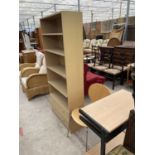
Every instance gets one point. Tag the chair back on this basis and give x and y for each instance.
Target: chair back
(93, 42)
(118, 59)
(114, 42)
(129, 56)
(86, 43)
(97, 91)
(106, 55)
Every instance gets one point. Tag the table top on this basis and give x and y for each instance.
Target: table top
(111, 111)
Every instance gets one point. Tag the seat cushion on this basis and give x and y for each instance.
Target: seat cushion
(90, 64)
(112, 71)
(120, 68)
(100, 67)
(23, 81)
(120, 150)
(94, 77)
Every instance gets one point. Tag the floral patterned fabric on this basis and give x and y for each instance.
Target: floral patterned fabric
(120, 150)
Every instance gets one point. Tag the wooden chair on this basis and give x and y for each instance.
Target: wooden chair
(117, 68)
(106, 56)
(96, 91)
(128, 147)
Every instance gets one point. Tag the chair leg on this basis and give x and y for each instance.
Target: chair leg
(122, 78)
(68, 125)
(113, 83)
(68, 132)
(86, 139)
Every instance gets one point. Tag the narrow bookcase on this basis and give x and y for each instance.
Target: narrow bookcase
(62, 42)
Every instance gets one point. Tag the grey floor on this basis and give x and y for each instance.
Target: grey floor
(44, 134)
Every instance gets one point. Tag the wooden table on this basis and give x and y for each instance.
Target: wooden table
(108, 117)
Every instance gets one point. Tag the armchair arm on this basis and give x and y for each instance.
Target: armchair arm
(28, 71)
(36, 80)
(24, 65)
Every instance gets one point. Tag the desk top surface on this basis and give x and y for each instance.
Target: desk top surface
(111, 111)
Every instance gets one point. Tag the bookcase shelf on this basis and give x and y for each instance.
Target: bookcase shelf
(55, 51)
(52, 34)
(60, 86)
(62, 41)
(58, 69)
(53, 42)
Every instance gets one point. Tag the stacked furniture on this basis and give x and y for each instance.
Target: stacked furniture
(91, 48)
(114, 62)
(115, 33)
(62, 42)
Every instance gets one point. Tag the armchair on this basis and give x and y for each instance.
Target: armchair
(90, 78)
(37, 64)
(34, 81)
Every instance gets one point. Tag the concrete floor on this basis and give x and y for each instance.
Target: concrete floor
(44, 134)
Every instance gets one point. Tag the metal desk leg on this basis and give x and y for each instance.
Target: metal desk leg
(102, 151)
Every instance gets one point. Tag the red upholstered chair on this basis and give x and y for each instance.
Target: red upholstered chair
(90, 78)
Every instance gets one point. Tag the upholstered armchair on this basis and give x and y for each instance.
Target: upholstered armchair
(90, 43)
(34, 81)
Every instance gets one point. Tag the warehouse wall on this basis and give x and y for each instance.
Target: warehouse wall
(103, 27)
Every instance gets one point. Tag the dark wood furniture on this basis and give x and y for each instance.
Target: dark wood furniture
(128, 49)
(106, 55)
(117, 68)
(108, 116)
(117, 60)
(131, 33)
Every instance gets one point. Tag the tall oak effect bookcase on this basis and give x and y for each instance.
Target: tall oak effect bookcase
(62, 42)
